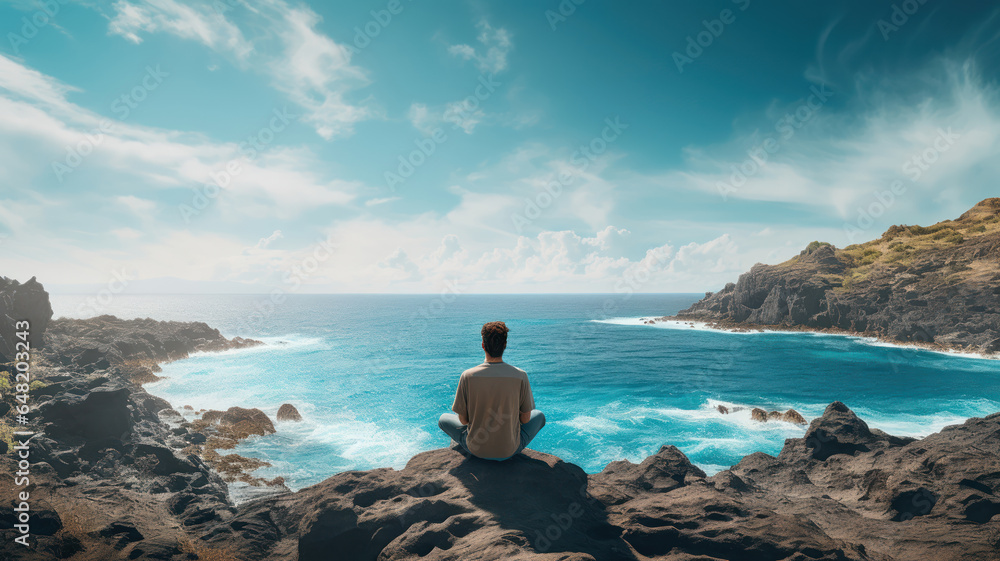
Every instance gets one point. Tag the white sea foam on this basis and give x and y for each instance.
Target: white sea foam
(593, 425)
(689, 325)
(712, 469)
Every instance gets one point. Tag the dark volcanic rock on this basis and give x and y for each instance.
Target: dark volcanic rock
(103, 341)
(931, 286)
(664, 471)
(441, 506)
(288, 412)
(99, 414)
(872, 497)
(22, 302)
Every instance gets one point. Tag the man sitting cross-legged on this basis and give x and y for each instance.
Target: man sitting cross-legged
(494, 412)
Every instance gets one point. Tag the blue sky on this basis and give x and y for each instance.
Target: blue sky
(407, 146)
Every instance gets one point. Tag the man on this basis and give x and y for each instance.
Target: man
(494, 412)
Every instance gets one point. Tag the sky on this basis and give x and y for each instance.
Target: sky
(526, 146)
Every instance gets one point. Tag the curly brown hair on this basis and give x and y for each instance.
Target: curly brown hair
(495, 338)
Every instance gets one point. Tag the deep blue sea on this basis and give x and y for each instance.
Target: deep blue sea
(372, 373)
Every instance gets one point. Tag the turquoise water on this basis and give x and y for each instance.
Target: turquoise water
(371, 374)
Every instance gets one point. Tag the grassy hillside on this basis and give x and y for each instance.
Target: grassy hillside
(901, 246)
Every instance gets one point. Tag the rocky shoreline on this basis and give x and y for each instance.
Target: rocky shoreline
(936, 287)
(747, 327)
(118, 474)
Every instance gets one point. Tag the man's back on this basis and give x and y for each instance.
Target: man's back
(491, 396)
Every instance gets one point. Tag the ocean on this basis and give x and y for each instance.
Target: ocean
(371, 374)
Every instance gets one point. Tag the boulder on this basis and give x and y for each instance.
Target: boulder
(212, 416)
(246, 422)
(793, 416)
(288, 412)
(758, 414)
(838, 431)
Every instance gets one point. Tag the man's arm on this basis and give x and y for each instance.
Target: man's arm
(461, 404)
(527, 400)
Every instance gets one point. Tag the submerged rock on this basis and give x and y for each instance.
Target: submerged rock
(793, 416)
(763, 416)
(288, 412)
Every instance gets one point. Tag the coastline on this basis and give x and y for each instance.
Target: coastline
(144, 495)
(725, 326)
(717, 327)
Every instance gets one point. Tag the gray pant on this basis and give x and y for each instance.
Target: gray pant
(458, 432)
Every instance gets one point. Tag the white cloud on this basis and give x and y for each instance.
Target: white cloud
(312, 70)
(492, 55)
(139, 206)
(40, 124)
(316, 73)
(197, 22)
(264, 242)
(127, 233)
(421, 118)
(463, 114)
(22, 83)
(836, 164)
(380, 201)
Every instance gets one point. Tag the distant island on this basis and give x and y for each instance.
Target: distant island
(935, 286)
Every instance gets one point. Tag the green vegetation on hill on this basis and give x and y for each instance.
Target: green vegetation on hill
(900, 245)
(813, 246)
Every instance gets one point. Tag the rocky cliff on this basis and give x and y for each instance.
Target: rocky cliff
(22, 302)
(937, 286)
(111, 472)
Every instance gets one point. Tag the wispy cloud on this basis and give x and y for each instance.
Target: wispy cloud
(44, 123)
(203, 23)
(307, 66)
(139, 206)
(491, 54)
(840, 159)
(381, 201)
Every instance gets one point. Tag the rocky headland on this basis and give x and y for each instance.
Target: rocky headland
(120, 474)
(936, 286)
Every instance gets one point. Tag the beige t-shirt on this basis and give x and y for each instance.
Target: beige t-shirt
(491, 395)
